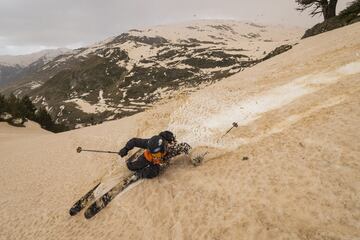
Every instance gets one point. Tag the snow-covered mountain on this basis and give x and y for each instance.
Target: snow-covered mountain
(27, 59)
(128, 73)
(13, 68)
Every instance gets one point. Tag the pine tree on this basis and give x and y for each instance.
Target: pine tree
(24, 108)
(27, 108)
(3, 104)
(44, 119)
(325, 7)
(14, 107)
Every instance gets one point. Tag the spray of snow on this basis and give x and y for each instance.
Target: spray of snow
(203, 119)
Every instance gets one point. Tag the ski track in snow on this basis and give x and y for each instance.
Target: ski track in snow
(203, 119)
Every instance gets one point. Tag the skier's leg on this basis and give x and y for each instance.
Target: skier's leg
(137, 164)
(143, 167)
(150, 171)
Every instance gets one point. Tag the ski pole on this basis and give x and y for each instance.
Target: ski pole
(79, 150)
(234, 125)
(199, 159)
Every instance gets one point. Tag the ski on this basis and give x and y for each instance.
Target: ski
(83, 201)
(105, 199)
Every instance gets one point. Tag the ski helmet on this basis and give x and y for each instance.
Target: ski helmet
(156, 144)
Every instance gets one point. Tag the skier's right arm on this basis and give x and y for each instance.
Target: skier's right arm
(134, 142)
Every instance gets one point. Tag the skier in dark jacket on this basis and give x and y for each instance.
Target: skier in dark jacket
(159, 149)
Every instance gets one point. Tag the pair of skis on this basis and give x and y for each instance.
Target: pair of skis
(101, 202)
(98, 204)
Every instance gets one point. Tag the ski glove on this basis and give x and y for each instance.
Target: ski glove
(123, 152)
(168, 136)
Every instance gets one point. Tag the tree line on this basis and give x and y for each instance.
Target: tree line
(16, 111)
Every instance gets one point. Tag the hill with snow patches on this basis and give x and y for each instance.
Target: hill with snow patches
(289, 171)
(127, 74)
(14, 68)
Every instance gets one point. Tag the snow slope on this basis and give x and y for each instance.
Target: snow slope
(299, 120)
(31, 130)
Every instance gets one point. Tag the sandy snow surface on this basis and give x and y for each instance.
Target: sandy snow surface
(31, 130)
(299, 126)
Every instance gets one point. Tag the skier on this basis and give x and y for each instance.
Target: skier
(159, 149)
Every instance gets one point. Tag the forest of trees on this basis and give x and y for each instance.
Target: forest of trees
(19, 110)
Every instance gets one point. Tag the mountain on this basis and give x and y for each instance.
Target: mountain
(299, 126)
(128, 73)
(14, 68)
(26, 60)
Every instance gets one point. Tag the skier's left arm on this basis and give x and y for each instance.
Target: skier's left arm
(132, 143)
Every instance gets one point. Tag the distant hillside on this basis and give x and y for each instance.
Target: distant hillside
(14, 68)
(130, 72)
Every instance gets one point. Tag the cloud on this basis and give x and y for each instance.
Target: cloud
(33, 24)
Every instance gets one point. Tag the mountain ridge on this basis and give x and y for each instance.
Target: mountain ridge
(14, 67)
(128, 73)
(25, 60)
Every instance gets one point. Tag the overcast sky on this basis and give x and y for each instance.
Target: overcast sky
(32, 25)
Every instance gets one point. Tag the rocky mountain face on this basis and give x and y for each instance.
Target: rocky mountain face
(130, 72)
(8, 73)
